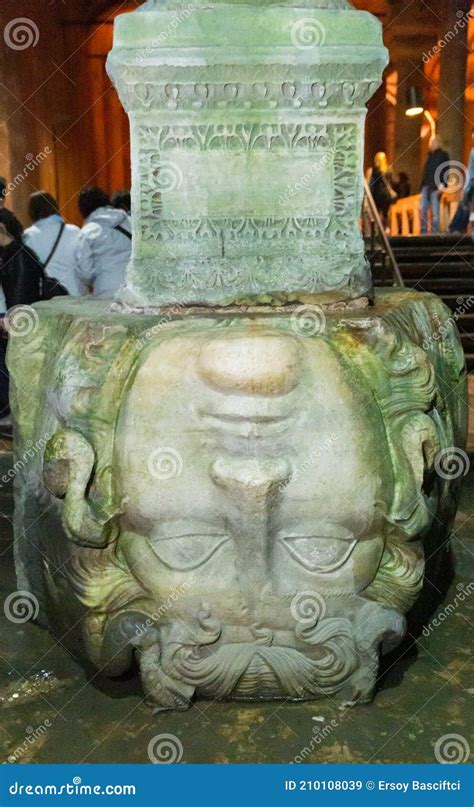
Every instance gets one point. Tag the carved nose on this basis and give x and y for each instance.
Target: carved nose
(259, 365)
(252, 487)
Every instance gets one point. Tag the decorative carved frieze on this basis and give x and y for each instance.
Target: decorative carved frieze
(351, 93)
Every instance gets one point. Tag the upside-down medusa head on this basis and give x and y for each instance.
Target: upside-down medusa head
(312, 460)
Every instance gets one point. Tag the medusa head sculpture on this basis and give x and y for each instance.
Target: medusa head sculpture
(243, 502)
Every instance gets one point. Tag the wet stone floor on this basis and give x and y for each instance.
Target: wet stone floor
(52, 711)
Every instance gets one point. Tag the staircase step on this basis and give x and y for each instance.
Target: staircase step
(465, 322)
(430, 242)
(467, 340)
(442, 285)
(448, 261)
(459, 302)
(446, 253)
(442, 265)
(437, 269)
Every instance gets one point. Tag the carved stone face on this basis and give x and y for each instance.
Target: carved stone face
(255, 469)
(244, 505)
(260, 535)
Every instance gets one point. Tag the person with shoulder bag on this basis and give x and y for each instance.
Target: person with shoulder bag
(54, 242)
(105, 244)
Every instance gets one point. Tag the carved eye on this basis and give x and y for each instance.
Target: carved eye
(186, 552)
(320, 553)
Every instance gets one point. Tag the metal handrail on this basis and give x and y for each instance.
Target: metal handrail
(377, 227)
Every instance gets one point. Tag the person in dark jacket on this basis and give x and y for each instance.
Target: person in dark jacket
(435, 179)
(465, 208)
(21, 273)
(403, 185)
(381, 187)
(21, 277)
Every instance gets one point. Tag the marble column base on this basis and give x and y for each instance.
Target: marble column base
(242, 500)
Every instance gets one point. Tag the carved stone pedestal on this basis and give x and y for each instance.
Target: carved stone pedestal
(243, 499)
(246, 128)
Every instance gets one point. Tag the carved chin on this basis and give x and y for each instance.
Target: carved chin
(329, 656)
(244, 671)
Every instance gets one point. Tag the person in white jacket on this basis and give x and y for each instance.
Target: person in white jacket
(54, 241)
(105, 244)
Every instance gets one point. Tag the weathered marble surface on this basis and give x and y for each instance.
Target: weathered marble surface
(247, 127)
(243, 500)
